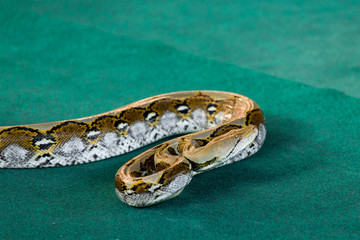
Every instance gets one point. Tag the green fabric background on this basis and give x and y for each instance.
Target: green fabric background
(314, 42)
(303, 183)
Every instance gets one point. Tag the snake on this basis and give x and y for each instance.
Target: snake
(220, 128)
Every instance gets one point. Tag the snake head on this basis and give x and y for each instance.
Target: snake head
(152, 177)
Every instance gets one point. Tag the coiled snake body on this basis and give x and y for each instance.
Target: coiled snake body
(228, 127)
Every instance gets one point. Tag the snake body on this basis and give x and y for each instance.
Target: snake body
(228, 127)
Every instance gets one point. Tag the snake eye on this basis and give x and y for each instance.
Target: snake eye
(182, 108)
(150, 116)
(211, 108)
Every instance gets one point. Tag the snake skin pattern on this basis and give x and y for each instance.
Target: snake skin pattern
(228, 127)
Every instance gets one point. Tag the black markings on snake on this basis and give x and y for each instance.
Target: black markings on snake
(211, 108)
(121, 126)
(150, 116)
(93, 134)
(43, 141)
(182, 108)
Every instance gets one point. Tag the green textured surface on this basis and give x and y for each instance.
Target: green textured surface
(314, 42)
(304, 182)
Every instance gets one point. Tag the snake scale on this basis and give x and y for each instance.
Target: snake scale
(225, 127)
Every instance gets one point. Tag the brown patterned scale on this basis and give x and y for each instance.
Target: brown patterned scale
(228, 127)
